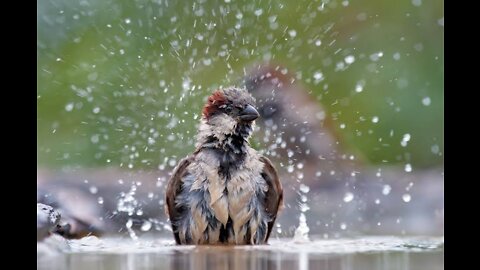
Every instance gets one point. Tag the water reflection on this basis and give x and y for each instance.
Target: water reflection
(212, 258)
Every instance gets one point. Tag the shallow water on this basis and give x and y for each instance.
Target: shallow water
(354, 253)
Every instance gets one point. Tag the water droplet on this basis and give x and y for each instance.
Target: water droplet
(386, 190)
(69, 107)
(146, 226)
(207, 61)
(410, 185)
(318, 75)
(129, 223)
(127, 20)
(417, 3)
(435, 149)
(304, 188)
(375, 119)
(408, 167)
(376, 56)
(426, 101)
(441, 21)
(349, 59)
(304, 207)
(405, 139)
(318, 42)
(292, 33)
(418, 47)
(95, 138)
(348, 197)
(93, 189)
(406, 197)
(150, 140)
(92, 76)
(359, 87)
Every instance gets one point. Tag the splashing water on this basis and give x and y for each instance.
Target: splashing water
(131, 232)
(127, 202)
(348, 197)
(152, 131)
(301, 233)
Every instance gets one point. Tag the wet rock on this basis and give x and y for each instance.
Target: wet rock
(47, 220)
(104, 204)
(80, 216)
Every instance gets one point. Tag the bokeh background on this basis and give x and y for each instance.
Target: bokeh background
(111, 72)
(121, 83)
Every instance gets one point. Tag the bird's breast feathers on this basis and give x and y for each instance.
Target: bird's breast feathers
(235, 198)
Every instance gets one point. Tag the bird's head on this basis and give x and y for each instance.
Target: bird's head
(236, 104)
(272, 86)
(228, 109)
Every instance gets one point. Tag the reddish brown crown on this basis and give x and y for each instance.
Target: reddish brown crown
(214, 101)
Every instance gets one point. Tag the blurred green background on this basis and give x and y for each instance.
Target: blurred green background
(121, 83)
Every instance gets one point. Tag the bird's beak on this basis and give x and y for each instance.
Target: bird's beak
(248, 114)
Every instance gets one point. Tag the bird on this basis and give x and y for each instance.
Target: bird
(225, 192)
(296, 127)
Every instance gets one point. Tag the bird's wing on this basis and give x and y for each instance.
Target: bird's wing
(274, 195)
(174, 186)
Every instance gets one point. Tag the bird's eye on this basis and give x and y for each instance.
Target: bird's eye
(228, 109)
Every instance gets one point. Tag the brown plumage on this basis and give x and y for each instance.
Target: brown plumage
(225, 192)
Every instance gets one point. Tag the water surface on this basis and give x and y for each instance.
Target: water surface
(354, 253)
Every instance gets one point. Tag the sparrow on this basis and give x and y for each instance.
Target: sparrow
(225, 192)
(296, 127)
